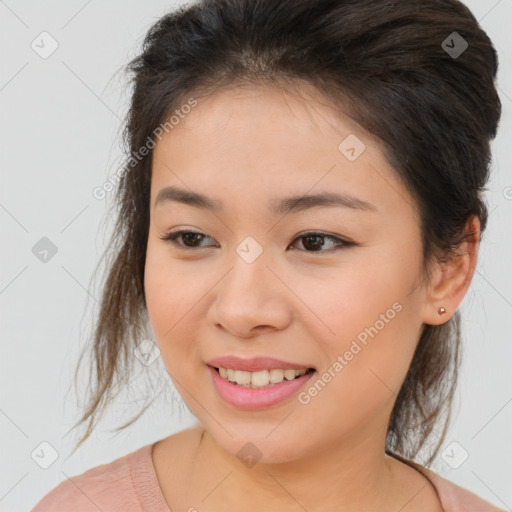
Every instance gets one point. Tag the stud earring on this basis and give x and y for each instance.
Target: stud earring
(441, 311)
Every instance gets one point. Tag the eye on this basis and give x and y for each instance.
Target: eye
(313, 241)
(190, 237)
(316, 241)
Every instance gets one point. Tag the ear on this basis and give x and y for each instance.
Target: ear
(450, 281)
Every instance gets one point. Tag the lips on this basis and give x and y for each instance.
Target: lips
(255, 364)
(257, 399)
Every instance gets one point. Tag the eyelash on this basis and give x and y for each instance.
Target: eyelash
(171, 238)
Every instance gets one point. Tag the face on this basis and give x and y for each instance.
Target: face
(332, 286)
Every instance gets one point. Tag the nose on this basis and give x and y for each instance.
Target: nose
(251, 300)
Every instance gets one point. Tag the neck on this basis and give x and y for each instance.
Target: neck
(354, 474)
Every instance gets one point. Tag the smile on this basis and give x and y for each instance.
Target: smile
(262, 378)
(257, 390)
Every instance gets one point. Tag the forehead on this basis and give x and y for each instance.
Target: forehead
(252, 142)
(264, 110)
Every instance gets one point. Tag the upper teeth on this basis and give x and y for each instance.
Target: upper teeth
(261, 378)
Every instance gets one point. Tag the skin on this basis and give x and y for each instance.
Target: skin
(245, 146)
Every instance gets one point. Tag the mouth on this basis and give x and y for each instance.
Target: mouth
(262, 378)
(260, 389)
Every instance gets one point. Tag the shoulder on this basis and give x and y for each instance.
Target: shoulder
(455, 498)
(458, 499)
(104, 487)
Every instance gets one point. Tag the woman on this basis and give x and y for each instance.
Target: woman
(299, 217)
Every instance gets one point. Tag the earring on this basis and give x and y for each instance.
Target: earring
(441, 311)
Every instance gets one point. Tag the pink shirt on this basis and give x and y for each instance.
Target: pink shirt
(130, 484)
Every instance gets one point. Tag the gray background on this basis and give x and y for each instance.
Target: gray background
(60, 138)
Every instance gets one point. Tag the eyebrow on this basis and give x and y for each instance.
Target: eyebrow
(276, 206)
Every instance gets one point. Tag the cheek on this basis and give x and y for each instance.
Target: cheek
(371, 320)
(167, 294)
(365, 367)
(168, 285)
(173, 297)
(156, 287)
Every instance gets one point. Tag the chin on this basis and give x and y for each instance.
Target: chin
(257, 447)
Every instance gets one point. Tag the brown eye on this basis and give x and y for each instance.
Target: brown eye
(190, 239)
(315, 242)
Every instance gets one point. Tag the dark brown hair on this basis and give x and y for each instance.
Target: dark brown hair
(386, 63)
